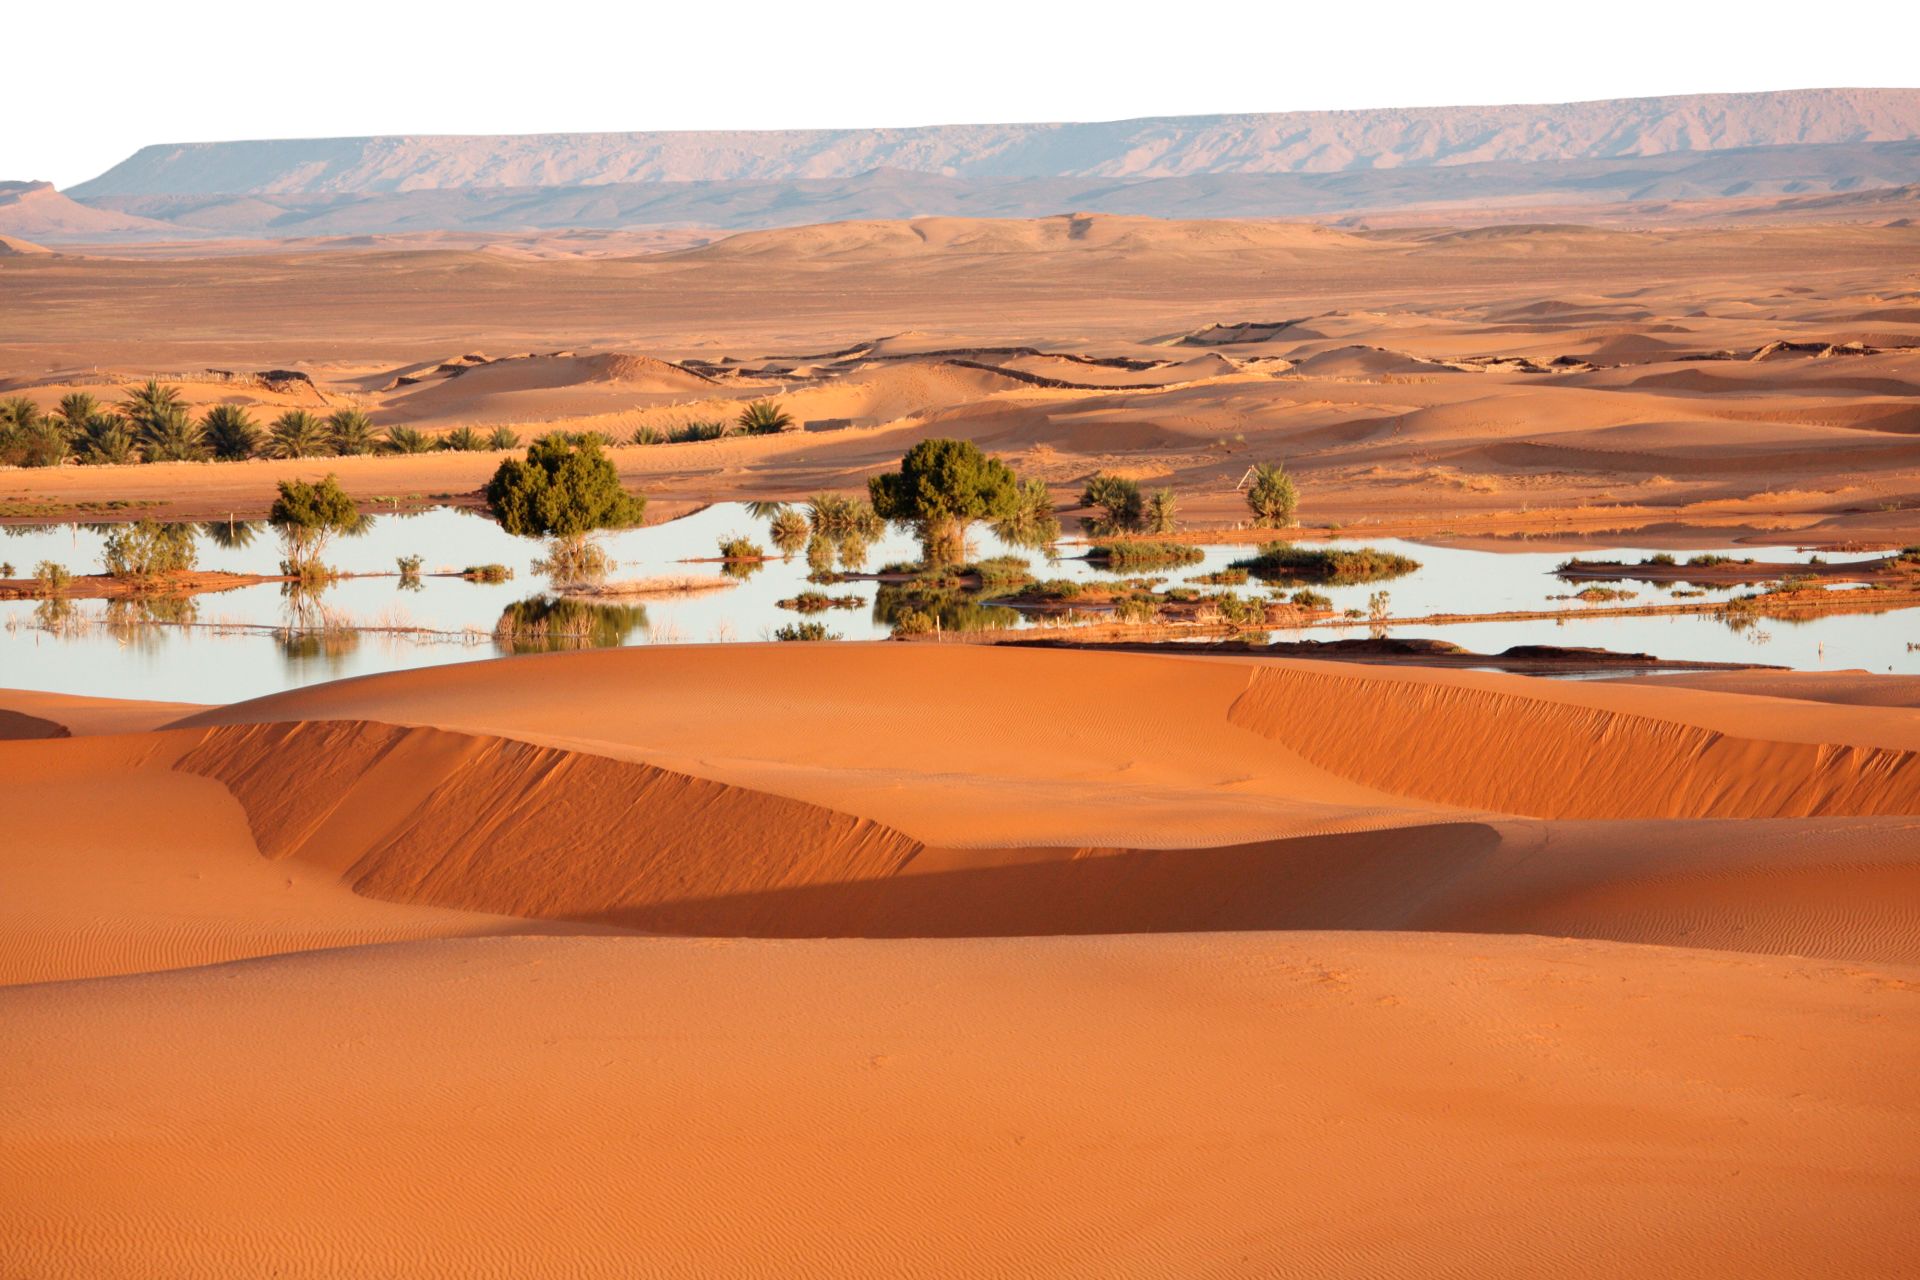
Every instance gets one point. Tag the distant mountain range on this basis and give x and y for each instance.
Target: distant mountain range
(1742, 147)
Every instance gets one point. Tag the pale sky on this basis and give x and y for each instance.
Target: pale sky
(88, 84)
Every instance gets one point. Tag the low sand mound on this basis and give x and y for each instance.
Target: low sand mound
(1366, 362)
(14, 247)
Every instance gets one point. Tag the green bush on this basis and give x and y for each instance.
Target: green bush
(819, 602)
(1119, 557)
(307, 516)
(564, 490)
(804, 631)
(647, 435)
(1306, 599)
(1136, 609)
(486, 573)
(149, 549)
(1287, 561)
(1001, 571)
(735, 547)
(698, 429)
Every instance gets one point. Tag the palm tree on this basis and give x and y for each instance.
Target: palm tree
(350, 431)
(504, 438)
(764, 417)
(148, 404)
(107, 439)
(407, 440)
(463, 440)
(231, 432)
(296, 434)
(169, 434)
(77, 409)
(1161, 507)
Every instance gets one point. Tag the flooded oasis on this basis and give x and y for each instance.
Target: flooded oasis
(448, 585)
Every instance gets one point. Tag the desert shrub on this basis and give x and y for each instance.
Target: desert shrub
(1055, 589)
(942, 488)
(1708, 561)
(1136, 609)
(764, 417)
(1121, 504)
(231, 433)
(486, 573)
(1287, 561)
(1119, 557)
(6, 568)
(1601, 595)
(1661, 559)
(1001, 571)
(407, 440)
(1238, 610)
(804, 631)
(149, 549)
(409, 567)
(788, 529)
(1223, 578)
(1306, 599)
(914, 622)
(50, 579)
(503, 438)
(698, 429)
(736, 547)
(350, 432)
(647, 435)
(1272, 497)
(463, 440)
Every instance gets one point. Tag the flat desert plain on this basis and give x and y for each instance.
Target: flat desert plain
(951, 959)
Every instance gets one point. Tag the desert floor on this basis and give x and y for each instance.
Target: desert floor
(906, 959)
(1497, 381)
(959, 960)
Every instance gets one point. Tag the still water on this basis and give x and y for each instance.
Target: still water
(239, 645)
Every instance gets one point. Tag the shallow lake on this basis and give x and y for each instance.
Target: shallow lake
(254, 640)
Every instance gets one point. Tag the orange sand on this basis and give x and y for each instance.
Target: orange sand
(963, 960)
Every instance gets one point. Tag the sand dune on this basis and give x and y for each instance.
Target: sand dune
(1311, 987)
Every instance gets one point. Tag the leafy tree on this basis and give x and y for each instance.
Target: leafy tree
(307, 517)
(1122, 506)
(1272, 497)
(350, 432)
(231, 432)
(942, 487)
(566, 489)
(764, 417)
(297, 434)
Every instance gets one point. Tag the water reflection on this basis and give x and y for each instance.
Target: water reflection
(544, 623)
